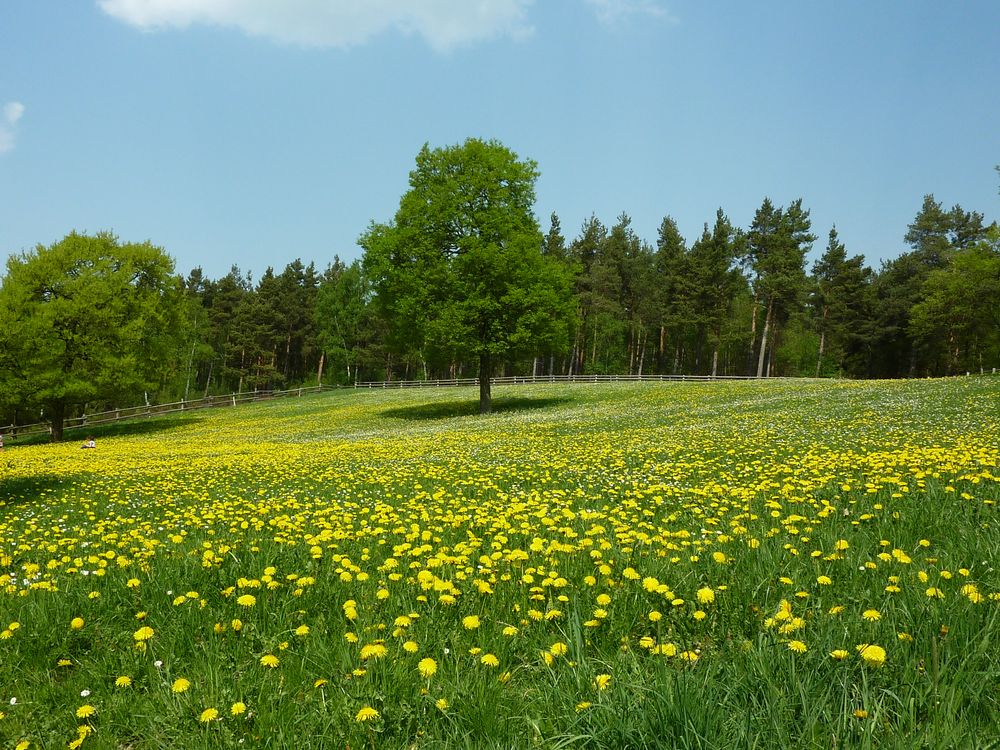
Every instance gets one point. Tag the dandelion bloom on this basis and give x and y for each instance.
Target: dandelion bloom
(143, 634)
(471, 622)
(269, 660)
(839, 654)
(319, 683)
(123, 682)
(209, 714)
(85, 710)
(490, 660)
(824, 580)
(706, 595)
(238, 708)
(798, 647)
(558, 649)
(247, 600)
(367, 713)
(698, 614)
(602, 681)
(871, 615)
(583, 706)
(411, 647)
(934, 593)
(180, 685)
(302, 630)
(872, 655)
(236, 625)
(655, 616)
(76, 623)
(427, 667)
(372, 651)
(441, 704)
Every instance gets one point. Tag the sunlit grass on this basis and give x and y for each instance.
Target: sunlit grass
(723, 564)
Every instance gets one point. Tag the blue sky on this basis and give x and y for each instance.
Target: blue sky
(256, 132)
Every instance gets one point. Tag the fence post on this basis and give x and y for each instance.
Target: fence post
(234, 399)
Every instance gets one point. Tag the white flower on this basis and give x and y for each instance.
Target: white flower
(157, 663)
(84, 693)
(13, 701)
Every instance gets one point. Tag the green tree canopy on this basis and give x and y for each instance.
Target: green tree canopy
(461, 271)
(88, 319)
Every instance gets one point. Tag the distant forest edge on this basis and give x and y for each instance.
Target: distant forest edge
(733, 301)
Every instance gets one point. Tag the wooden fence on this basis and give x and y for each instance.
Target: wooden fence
(233, 399)
(152, 410)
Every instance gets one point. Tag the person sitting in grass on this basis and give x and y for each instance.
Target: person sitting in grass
(89, 443)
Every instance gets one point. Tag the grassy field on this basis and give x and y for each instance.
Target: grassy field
(754, 564)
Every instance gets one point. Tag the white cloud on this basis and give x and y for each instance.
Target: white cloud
(12, 112)
(615, 12)
(444, 24)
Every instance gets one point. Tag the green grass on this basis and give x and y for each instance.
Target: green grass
(552, 516)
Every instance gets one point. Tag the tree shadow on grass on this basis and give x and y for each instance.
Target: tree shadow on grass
(21, 490)
(112, 429)
(451, 409)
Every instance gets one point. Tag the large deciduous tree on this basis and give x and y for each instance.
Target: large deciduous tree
(87, 319)
(460, 271)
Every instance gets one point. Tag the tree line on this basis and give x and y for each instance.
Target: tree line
(462, 281)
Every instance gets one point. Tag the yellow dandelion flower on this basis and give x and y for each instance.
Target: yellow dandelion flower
(143, 634)
(824, 580)
(411, 647)
(490, 660)
(236, 625)
(706, 595)
(367, 713)
(558, 649)
(798, 647)
(76, 623)
(85, 710)
(123, 681)
(839, 654)
(208, 715)
(441, 704)
(372, 651)
(602, 681)
(180, 685)
(655, 616)
(269, 660)
(302, 630)
(934, 593)
(871, 615)
(698, 615)
(427, 667)
(872, 655)
(471, 622)
(238, 708)
(583, 706)
(510, 630)
(246, 600)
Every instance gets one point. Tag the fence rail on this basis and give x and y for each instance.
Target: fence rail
(151, 410)
(531, 379)
(233, 399)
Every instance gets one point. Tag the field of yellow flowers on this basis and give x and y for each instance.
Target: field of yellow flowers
(755, 564)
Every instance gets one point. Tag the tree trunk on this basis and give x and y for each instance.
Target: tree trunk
(485, 370)
(753, 334)
(715, 360)
(763, 339)
(319, 370)
(208, 381)
(642, 352)
(822, 341)
(819, 359)
(57, 418)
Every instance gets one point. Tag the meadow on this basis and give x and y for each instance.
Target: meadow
(698, 565)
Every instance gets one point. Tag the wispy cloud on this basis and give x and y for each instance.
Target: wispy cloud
(443, 24)
(616, 12)
(12, 112)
